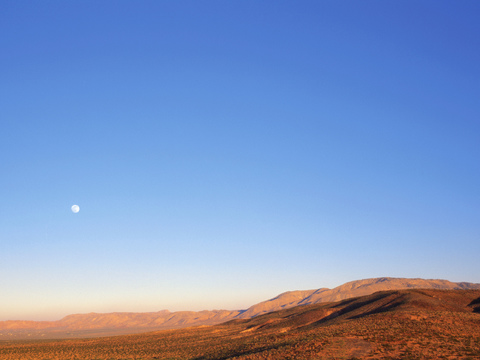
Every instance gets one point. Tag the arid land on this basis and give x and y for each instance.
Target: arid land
(119, 323)
(394, 324)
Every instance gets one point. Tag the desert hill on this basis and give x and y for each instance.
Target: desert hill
(406, 302)
(348, 290)
(95, 324)
(394, 324)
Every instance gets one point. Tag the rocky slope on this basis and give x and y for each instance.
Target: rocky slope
(349, 290)
(395, 324)
(94, 324)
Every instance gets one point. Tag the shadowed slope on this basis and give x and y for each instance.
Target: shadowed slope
(349, 290)
(398, 301)
(423, 324)
(94, 324)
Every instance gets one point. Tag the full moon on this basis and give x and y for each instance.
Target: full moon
(75, 208)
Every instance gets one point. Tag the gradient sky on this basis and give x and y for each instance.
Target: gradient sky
(223, 152)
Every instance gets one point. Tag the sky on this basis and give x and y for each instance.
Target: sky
(223, 152)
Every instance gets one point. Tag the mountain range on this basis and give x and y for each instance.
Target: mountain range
(104, 324)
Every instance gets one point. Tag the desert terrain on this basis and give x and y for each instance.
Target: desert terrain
(118, 323)
(393, 324)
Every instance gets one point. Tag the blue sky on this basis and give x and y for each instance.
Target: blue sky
(222, 152)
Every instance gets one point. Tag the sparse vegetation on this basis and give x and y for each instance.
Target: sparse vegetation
(417, 327)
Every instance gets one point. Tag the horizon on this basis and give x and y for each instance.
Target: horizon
(251, 305)
(192, 156)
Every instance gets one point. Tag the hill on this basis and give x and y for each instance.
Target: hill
(406, 324)
(95, 324)
(348, 290)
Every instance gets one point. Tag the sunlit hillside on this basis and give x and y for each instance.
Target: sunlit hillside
(404, 324)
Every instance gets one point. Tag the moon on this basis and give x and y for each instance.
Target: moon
(75, 208)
